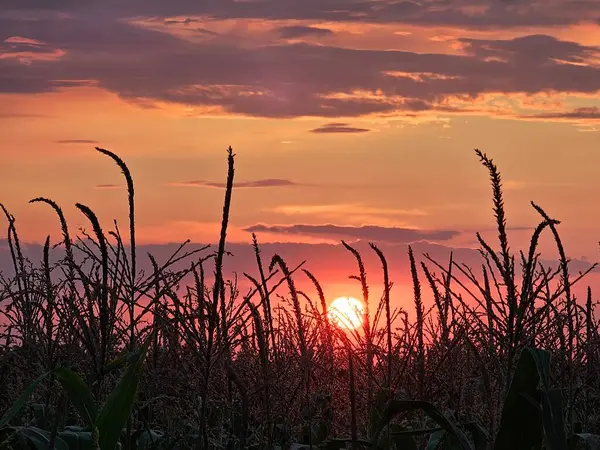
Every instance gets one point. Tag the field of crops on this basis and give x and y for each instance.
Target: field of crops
(97, 354)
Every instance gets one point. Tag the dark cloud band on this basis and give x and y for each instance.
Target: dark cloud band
(366, 233)
(266, 183)
(96, 45)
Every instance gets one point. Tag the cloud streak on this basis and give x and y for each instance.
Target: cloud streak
(299, 31)
(266, 183)
(390, 235)
(586, 113)
(76, 141)
(338, 127)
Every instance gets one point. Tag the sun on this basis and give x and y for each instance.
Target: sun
(346, 312)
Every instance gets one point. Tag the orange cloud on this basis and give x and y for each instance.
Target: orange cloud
(27, 50)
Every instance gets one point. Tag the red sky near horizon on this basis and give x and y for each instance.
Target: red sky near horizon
(351, 119)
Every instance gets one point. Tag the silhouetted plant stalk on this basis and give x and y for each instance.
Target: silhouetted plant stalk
(366, 322)
(105, 314)
(388, 314)
(269, 331)
(20, 276)
(216, 298)
(266, 372)
(420, 322)
(329, 332)
(305, 356)
(133, 268)
(352, 394)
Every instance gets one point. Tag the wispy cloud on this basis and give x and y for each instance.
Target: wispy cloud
(337, 127)
(298, 31)
(585, 113)
(367, 232)
(186, 21)
(266, 183)
(26, 50)
(23, 40)
(76, 141)
(107, 186)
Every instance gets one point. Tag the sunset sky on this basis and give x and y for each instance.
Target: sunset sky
(350, 119)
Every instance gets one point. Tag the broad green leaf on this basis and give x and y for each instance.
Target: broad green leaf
(38, 439)
(532, 415)
(396, 407)
(552, 419)
(77, 440)
(521, 421)
(79, 394)
(551, 403)
(75, 430)
(113, 416)
(22, 400)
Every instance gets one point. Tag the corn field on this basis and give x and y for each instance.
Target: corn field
(98, 354)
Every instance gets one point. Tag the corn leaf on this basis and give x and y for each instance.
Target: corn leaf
(38, 439)
(117, 409)
(79, 394)
(521, 421)
(77, 440)
(396, 407)
(552, 419)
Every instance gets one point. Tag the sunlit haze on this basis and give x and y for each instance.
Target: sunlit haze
(346, 313)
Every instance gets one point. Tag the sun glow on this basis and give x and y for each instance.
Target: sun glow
(346, 312)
